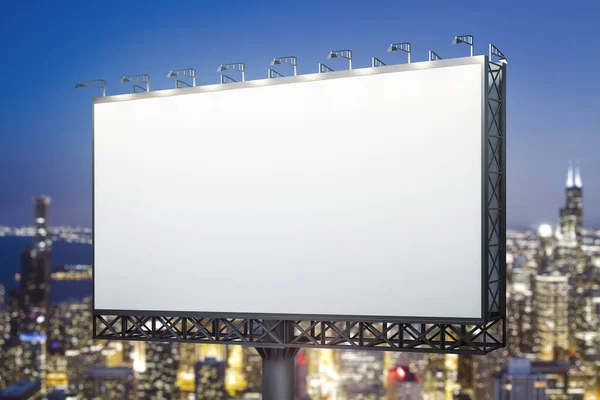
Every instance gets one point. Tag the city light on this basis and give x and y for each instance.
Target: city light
(143, 78)
(346, 54)
(545, 230)
(401, 373)
(404, 46)
(237, 66)
(290, 60)
(494, 51)
(466, 39)
(97, 83)
(187, 72)
(535, 294)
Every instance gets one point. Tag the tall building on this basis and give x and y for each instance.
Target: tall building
(518, 382)
(36, 270)
(210, 379)
(252, 369)
(403, 384)
(569, 234)
(188, 356)
(301, 375)
(551, 295)
(361, 373)
(235, 378)
(519, 306)
(108, 383)
(35, 280)
(159, 381)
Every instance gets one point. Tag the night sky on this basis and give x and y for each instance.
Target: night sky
(47, 46)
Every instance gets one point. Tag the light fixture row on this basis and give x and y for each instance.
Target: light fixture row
(287, 60)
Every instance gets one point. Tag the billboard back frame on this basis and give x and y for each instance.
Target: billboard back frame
(422, 334)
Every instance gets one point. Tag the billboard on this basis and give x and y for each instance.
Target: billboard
(354, 195)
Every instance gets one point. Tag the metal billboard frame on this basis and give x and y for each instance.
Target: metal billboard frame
(288, 332)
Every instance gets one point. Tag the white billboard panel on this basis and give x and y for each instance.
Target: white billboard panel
(347, 194)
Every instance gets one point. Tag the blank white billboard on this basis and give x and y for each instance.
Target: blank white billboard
(346, 194)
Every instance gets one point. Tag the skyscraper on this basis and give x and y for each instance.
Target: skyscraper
(518, 382)
(361, 373)
(159, 381)
(210, 379)
(569, 235)
(35, 263)
(551, 294)
(403, 384)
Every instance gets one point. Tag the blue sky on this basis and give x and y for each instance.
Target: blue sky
(46, 47)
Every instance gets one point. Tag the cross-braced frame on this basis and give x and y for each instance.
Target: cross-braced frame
(391, 336)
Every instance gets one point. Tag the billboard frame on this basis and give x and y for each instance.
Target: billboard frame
(420, 334)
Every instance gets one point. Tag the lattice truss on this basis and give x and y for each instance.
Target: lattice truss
(417, 336)
(495, 191)
(450, 338)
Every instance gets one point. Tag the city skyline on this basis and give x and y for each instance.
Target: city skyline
(553, 292)
(45, 139)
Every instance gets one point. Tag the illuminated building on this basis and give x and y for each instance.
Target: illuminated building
(35, 263)
(361, 373)
(569, 235)
(485, 369)
(556, 374)
(210, 380)
(104, 382)
(403, 384)
(235, 380)
(77, 362)
(252, 369)
(12, 362)
(451, 368)
(551, 297)
(323, 376)
(186, 373)
(434, 378)
(56, 376)
(518, 382)
(301, 375)
(160, 379)
(519, 307)
(33, 345)
(139, 357)
(34, 294)
(466, 376)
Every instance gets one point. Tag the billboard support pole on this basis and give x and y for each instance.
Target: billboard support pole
(278, 366)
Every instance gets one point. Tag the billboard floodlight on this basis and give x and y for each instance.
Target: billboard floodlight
(144, 78)
(290, 60)
(433, 56)
(404, 46)
(187, 72)
(466, 39)
(238, 66)
(347, 54)
(494, 51)
(97, 83)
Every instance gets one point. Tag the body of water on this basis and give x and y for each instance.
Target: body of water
(62, 253)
